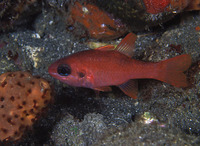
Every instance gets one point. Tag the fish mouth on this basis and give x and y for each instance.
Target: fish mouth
(52, 69)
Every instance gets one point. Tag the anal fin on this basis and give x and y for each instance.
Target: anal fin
(130, 88)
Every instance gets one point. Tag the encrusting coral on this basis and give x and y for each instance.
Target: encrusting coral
(22, 98)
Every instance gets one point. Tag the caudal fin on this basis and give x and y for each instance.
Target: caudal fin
(172, 70)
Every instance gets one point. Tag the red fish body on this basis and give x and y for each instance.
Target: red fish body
(105, 66)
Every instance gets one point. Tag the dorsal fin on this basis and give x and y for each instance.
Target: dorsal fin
(105, 48)
(130, 88)
(127, 45)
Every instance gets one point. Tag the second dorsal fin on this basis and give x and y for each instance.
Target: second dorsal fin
(127, 45)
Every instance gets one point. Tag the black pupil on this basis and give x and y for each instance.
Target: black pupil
(64, 70)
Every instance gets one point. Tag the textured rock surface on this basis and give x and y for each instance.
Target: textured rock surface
(19, 12)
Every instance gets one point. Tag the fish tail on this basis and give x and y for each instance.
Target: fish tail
(172, 70)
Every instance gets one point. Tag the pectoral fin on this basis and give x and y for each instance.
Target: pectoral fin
(105, 89)
(130, 88)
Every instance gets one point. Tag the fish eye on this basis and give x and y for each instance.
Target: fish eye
(64, 70)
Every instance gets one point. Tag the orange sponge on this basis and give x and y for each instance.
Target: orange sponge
(22, 98)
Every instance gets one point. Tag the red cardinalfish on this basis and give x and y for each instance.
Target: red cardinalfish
(107, 66)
